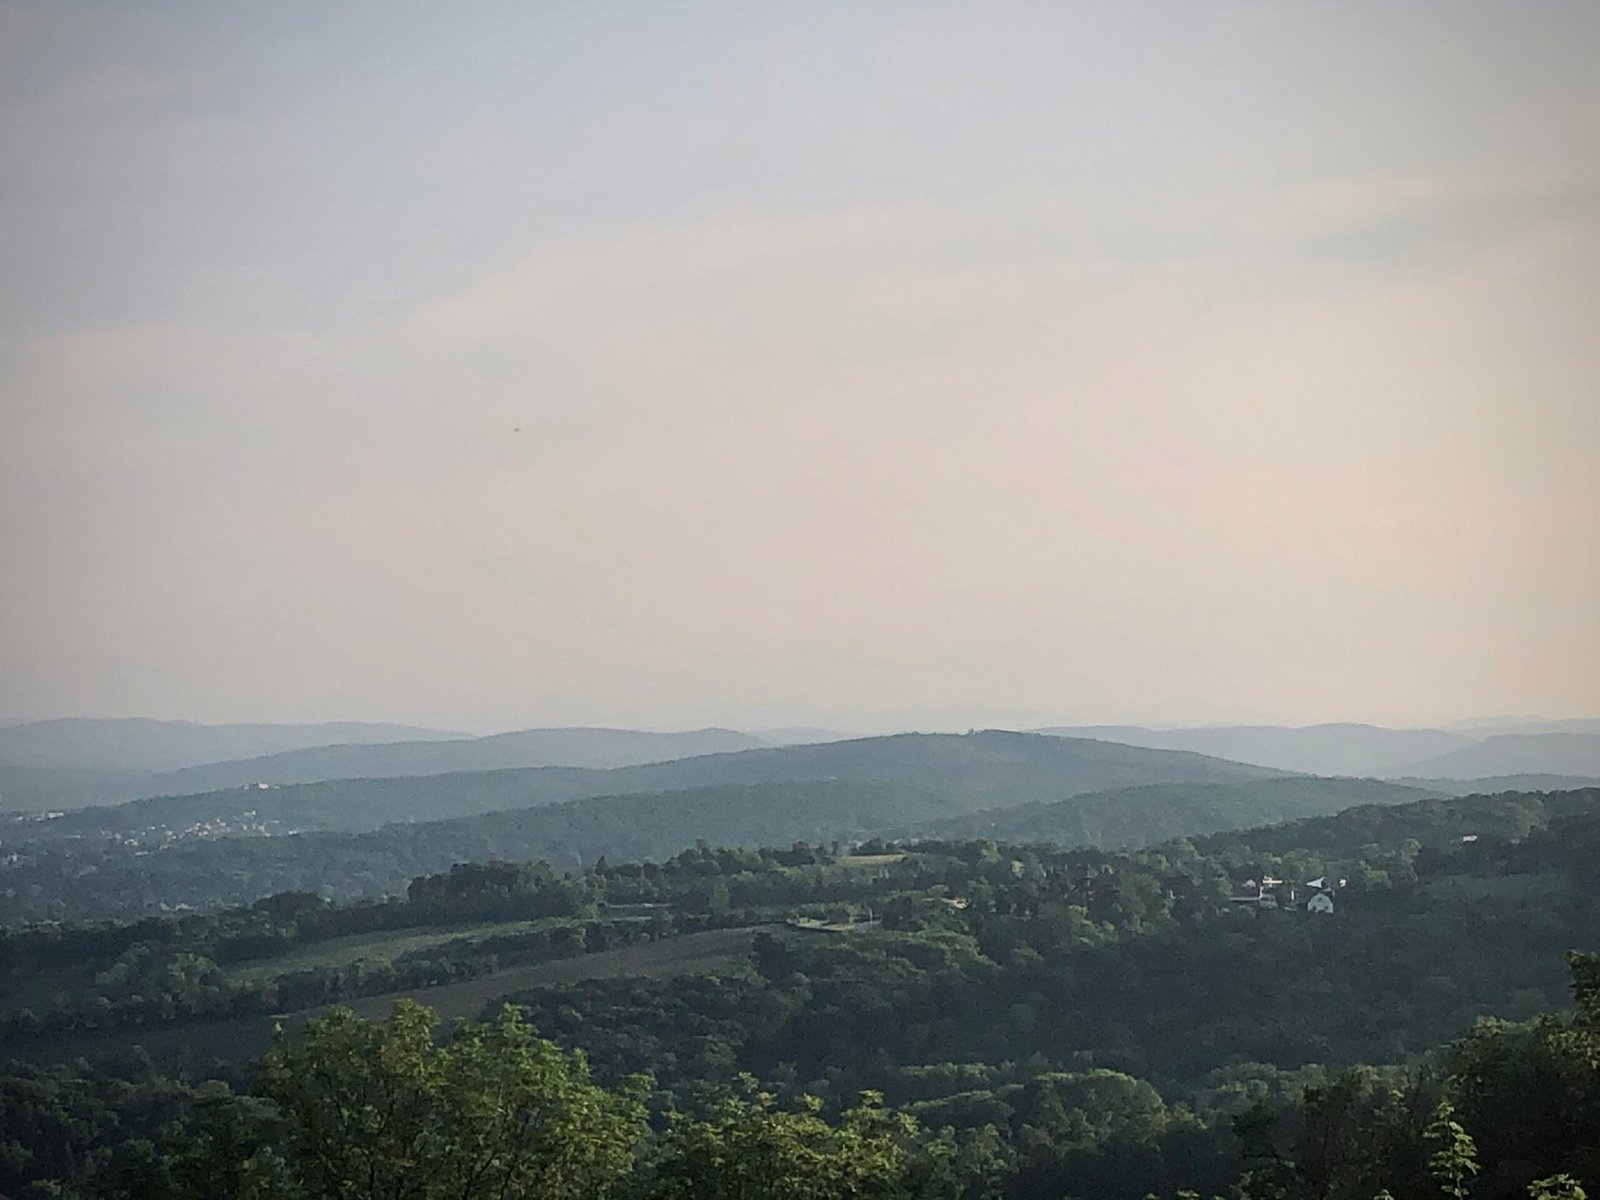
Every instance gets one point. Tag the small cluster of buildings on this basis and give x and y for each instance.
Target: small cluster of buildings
(1268, 892)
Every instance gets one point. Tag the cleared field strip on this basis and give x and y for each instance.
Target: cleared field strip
(710, 952)
(382, 947)
(693, 953)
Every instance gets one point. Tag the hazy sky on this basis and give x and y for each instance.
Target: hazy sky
(859, 364)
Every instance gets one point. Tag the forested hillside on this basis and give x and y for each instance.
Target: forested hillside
(999, 767)
(1040, 1021)
(202, 851)
(1330, 749)
(140, 744)
(135, 873)
(55, 879)
(1141, 816)
(71, 762)
(1490, 784)
(586, 748)
(1561, 753)
(589, 748)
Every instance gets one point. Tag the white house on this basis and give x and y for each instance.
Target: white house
(1320, 903)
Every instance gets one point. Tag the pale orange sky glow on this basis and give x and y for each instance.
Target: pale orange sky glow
(688, 365)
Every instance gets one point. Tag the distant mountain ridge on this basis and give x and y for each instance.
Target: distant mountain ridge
(76, 762)
(1440, 822)
(1501, 754)
(596, 749)
(1329, 749)
(1143, 816)
(1508, 747)
(1488, 727)
(800, 735)
(1491, 784)
(992, 769)
(133, 744)
(26, 783)
(570, 817)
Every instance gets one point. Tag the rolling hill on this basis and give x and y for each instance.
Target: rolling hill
(1492, 784)
(370, 837)
(1143, 816)
(137, 744)
(33, 788)
(206, 872)
(657, 825)
(1562, 753)
(1440, 823)
(988, 769)
(598, 749)
(1334, 749)
(44, 789)
(1488, 726)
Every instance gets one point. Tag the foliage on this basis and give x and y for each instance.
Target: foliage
(367, 837)
(1039, 1022)
(747, 1148)
(1454, 1160)
(370, 1110)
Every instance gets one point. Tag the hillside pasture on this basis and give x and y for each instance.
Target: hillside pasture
(379, 948)
(713, 952)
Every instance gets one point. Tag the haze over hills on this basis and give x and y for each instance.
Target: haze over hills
(133, 744)
(205, 872)
(656, 825)
(1332, 749)
(1571, 754)
(1491, 784)
(1498, 748)
(991, 768)
(94, 763)
(588, 748)
(1483, 727)
(45, 789)
(1142, 816)
(89, 877)
(801, 735)
(75, 763)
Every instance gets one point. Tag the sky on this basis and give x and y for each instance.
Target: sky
(860, 365)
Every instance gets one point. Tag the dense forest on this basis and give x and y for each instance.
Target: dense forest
(1373, 1000)
(85, 876)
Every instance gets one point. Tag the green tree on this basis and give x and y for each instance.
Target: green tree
(1454, 1160)
(745, 1148)
(1557, 1187)
(378, 1111)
